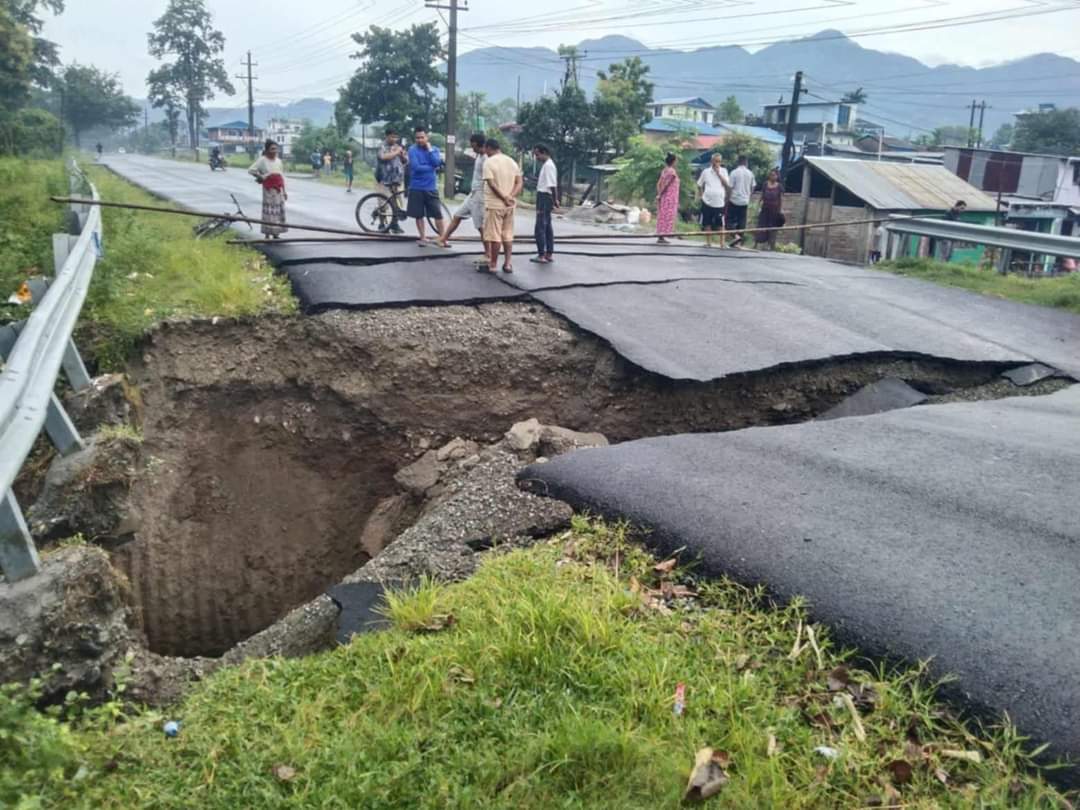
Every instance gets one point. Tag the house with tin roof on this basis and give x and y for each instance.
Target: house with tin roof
(856, 194)
(685, 109)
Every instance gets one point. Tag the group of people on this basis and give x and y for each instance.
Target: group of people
(497, 182)
(725, 202)
(326, 162)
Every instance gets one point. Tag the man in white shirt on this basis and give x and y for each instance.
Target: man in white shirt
(473, 207)
(742, 188)
(714, 187)
(547, 200)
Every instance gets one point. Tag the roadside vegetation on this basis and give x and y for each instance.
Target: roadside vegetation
(547, 680)
(154, 269)
(27, 222)
(1061, 292)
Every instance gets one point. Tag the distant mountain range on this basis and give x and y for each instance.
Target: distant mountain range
(904, 95)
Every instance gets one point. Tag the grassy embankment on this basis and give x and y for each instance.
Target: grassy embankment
(153, 267)
(545, 681)
(1061, 292)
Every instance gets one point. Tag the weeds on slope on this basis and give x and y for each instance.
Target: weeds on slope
(550, 680)
(154, 269)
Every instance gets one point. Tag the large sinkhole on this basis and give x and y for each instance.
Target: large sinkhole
(271, 445)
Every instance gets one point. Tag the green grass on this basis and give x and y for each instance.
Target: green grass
(547, 681)
(1061, 292)
(27, 222)
(155, 269)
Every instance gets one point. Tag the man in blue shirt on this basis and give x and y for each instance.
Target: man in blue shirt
(424, 161)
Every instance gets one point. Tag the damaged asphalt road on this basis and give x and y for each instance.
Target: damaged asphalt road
(938, 531)
(944, 531)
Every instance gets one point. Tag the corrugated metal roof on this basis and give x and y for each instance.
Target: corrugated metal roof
(902, 186)
(761, 133)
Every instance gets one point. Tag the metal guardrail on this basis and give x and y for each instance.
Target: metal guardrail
(34, 351)
(1044, 244)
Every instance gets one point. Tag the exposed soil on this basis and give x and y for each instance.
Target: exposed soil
(271, 445)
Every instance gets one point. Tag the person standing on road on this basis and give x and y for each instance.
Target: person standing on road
(390, 176)
(425, 160)
(502, 185)
(547, 201)
(347, 168)
(328, 163)
(316, 162)
(742, 188)
(473, 207)
(667, 200)
(100, 150)
(771, 215)
(269, 172)
(713, 186)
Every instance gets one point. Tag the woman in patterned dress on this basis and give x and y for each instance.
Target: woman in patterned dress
(667, 200)
(269, 172)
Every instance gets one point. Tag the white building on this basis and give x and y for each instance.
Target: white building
(685, 109)
(284, 131)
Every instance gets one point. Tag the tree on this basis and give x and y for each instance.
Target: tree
(398, 77)
(94, 98)
(731, 112)
(948, 136)
(165, 95)
(639, 169)
(1056, 132)
(621, 106)
(759, 156)
(1002, 138)
(566, 123)
(186, 33)
(857, 96)
(45, 57)
(16, 64)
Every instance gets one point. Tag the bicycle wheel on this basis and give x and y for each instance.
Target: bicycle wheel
(445, 216)
(373, 213)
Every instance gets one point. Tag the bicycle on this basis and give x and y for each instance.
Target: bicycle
(218, 225)
(378, 212)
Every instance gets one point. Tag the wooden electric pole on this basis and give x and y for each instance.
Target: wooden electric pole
(251, 101)
(787, 157)
(971, 123)
(451, 91)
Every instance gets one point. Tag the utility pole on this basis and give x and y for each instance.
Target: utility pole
(982, 118)
(788, 155)
(571, 58)
(251, 101)
(451, 90)
(971, 124)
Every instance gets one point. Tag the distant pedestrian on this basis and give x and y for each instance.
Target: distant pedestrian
(425, 160)
(714, 185)
(742, 189)
(881, 241)
(473, 207)
(347, 167)
(667, 200)
(316, 162)
(502, 185)
(547, 201)
(328, 163)
(100, 149)
(771, 215)
(269, 172)
(390, 176)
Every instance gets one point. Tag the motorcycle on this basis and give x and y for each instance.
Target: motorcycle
(216, 162)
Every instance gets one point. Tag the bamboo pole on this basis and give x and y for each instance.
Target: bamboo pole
(361, 236)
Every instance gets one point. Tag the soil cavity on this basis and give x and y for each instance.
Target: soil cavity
(254, 503)
(271, 446)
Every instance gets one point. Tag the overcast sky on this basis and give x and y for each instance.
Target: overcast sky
(308, 56)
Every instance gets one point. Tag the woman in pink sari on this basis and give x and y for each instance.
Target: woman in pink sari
(667, 200)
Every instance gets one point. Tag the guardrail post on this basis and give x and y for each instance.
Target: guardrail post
(18, 554)
(62, 433)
